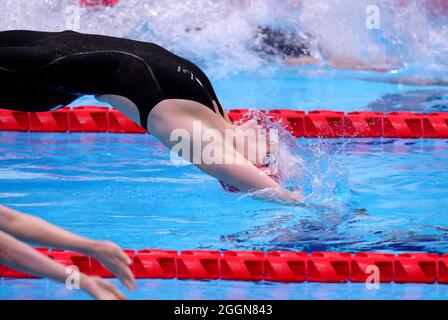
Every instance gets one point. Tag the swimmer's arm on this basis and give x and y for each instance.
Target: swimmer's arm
(30, 228)
(21, 257)
(302, 60)
(248, 178)
(226, 115)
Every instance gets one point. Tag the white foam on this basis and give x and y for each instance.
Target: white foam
(220, 33)
(314, 168)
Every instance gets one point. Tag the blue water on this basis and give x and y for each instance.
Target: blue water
(224, 290)
(380, 195)
(393, 197)
(376, 195)
(315, 89)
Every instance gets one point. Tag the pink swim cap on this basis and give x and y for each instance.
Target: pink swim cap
(264, 121)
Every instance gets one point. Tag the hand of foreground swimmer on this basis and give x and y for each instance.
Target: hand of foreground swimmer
(36, 230)
(116, 261)
(100, 289)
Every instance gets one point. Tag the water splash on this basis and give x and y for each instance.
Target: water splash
(223, 36)
(310, 166)
(412, 35)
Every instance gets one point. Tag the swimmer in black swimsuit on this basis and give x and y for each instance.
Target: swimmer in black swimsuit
(161, 91)
(40, 71)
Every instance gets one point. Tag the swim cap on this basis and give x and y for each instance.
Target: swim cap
(270, 159)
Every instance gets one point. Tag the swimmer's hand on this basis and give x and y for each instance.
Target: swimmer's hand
(115, 260)
(280, 196)
(100, 289)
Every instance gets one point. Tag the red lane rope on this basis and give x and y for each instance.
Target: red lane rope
(268, 266)
(312, 124)
(94, 3)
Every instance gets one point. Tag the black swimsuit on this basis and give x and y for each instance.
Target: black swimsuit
(41, 71)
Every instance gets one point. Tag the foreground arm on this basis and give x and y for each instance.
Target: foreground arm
(22, 257)
(30, 228)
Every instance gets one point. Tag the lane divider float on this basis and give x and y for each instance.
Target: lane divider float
(96, 3)
(312, 124)
(276, 266)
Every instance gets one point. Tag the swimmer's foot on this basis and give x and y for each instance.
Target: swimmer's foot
(100, 289)
(115, 260)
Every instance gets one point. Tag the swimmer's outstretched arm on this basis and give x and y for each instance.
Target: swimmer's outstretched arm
(20, 256)
(248, 178)
(30, 228)
(232, 168)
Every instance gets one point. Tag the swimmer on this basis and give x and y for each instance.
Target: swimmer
(291, 47)
(298, 48)
(42, 71)
(16, 254)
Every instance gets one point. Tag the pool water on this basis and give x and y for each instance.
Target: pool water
(373, 195)
(378, 195)
(309, 88)
(392, 197)
(228, 290)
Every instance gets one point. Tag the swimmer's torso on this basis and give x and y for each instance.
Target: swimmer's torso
(43, 70)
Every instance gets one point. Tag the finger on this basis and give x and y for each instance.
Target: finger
(123, 273)
(120, 254)
(129, 285)
(125, 258)
(127, 278)
(132, 284)
(118, 263)
(114, 291)
(118, 294)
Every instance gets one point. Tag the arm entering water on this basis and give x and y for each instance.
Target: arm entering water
(245, 176)
(180, 134)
